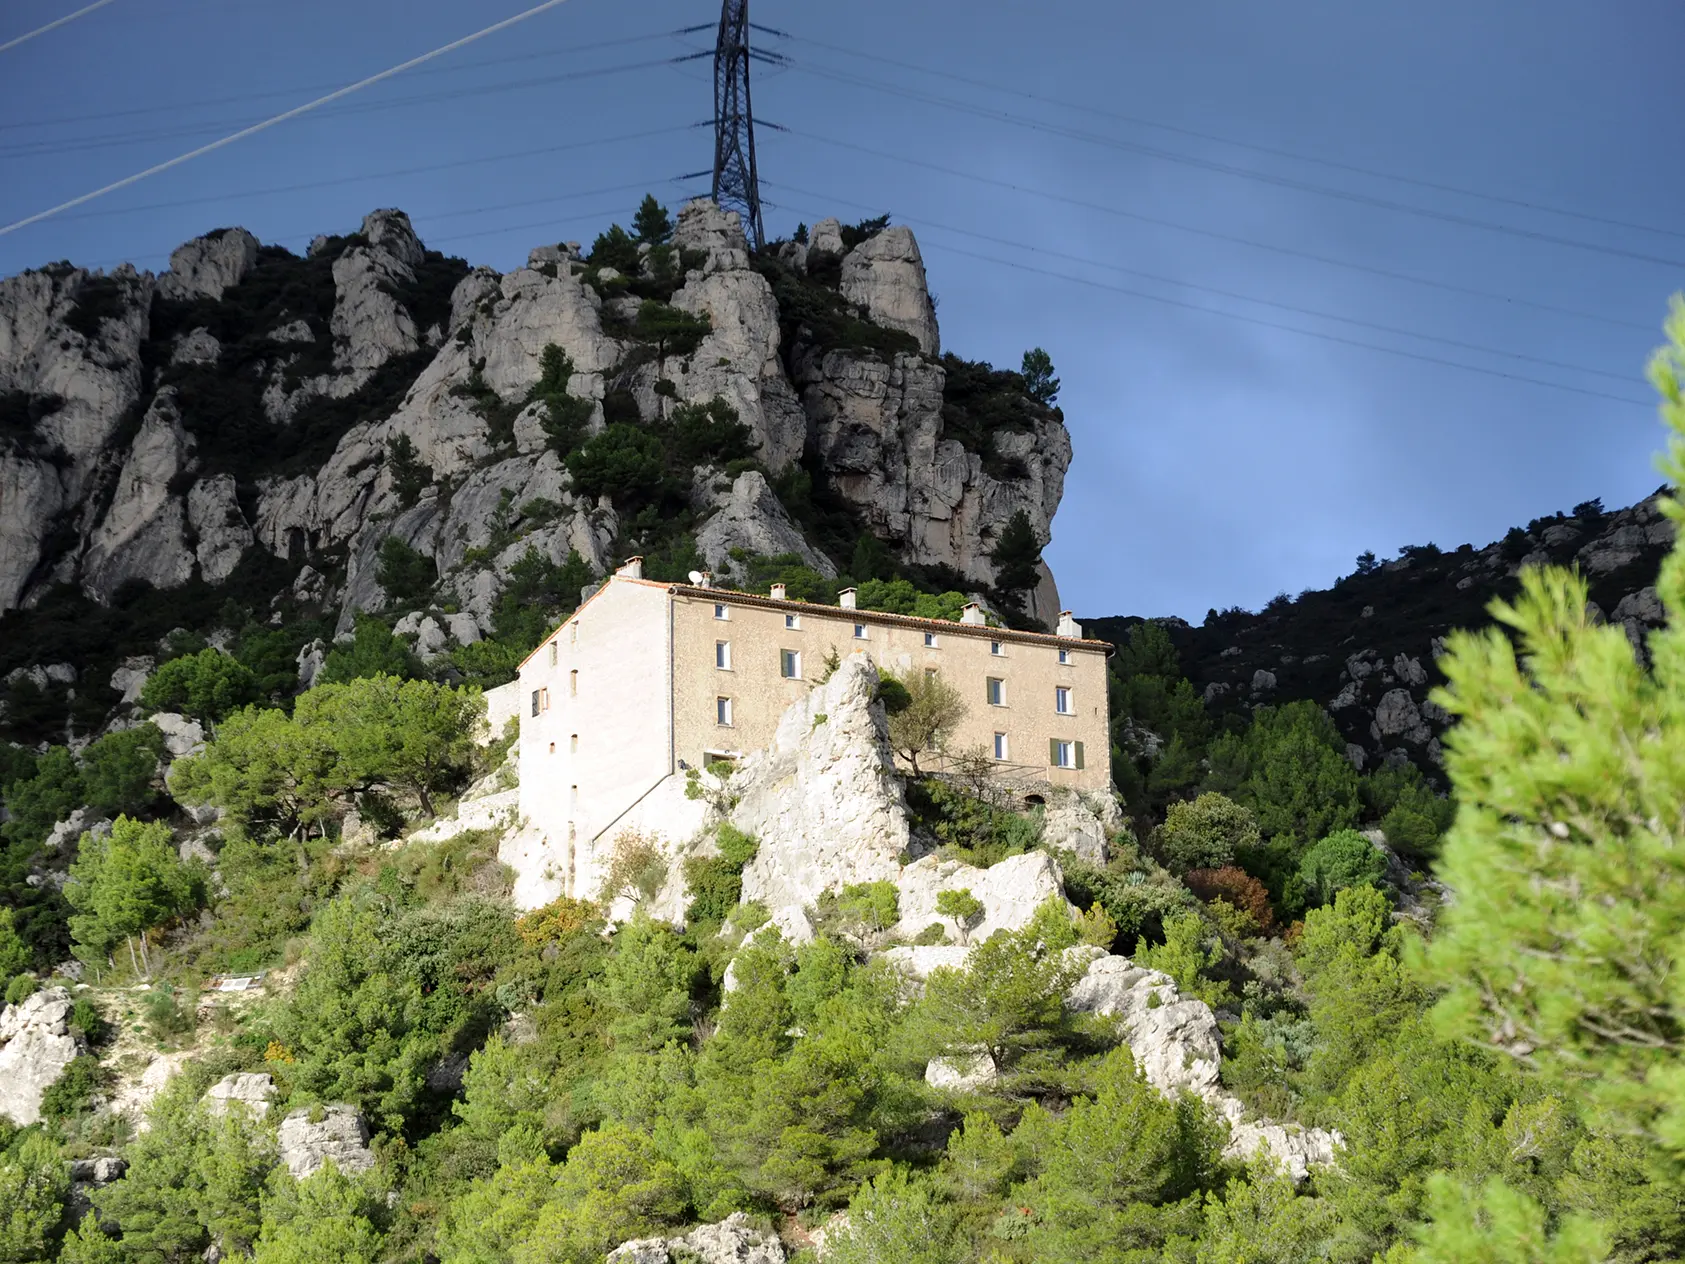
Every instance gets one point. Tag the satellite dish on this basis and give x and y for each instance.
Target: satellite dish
(696, 577)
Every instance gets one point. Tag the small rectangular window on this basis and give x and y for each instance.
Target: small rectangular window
(997, 692)
(1062, 699)
(535, 702)
(790, 664)
(722, 655)
(573, 683)
(573, 633)
(1000, 745)
(995, 648)
(721, 610)
(543, 699)
(552, 748)
(1062, 754)
(722, 711)
(1064, 656)
(930, 640)
(859, 631)
(552, 653)
(792, 621)
(573, 744)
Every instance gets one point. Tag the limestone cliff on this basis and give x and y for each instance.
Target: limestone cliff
(256, 419)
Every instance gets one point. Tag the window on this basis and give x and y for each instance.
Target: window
(552, 653)
(790, 664)
(721, 610)
(1062, 699)
(573, 633)
(722, 655)
(573, 798)
(543, 699)
(859, 631)
(793, 621)
(573, 744)
(573, 683)
(1062, 754)
(997, 692)
(1064, 656)
(722, 711)
(930, 673)
(996, 648)
(535, 702)
(552, 748)
(930, 640)
(1000, 745)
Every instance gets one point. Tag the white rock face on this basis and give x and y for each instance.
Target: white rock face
(197, 347)
(750, 517)
(826, 237)
(885, 275)
(1081, 824)
(182, 736)
(369, 324)
(340, 1135)
(36, 1045)
(207, 266)
(220, 531)
(732, 1241)
(131, 676)
(824, 800)
(143, 534)
(133, 1097)
(250, 1089)
(1010, 892)
(1397, 716)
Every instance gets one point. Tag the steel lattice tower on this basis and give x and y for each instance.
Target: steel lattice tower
(736, 185)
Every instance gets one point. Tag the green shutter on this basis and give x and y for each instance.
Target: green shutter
(1053, 751)
(1079, 754)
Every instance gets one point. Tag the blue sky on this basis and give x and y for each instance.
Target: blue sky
(1158, 153)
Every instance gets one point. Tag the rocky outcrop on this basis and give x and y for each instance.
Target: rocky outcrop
(248, 1091)
(748, 516)
(734, 1240)
(336, 1132)
(208, 266)
(1010, 893)
(824, 800)
(1081, 824)
(885, 275)
(36, 1044)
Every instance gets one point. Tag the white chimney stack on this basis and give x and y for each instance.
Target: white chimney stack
(845, 599)
(707, 579)
(973, 613)
(633, 568)
(1068, 626)
(778, 591)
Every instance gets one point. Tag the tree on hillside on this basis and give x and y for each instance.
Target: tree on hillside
(1017, 558)
(125, 884)
(1039, 381)
(120, 771)
(1565, 943)
(652, 223)
(923, 710)
(205, 686)
(372, 651)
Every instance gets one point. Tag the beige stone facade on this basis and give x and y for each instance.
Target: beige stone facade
(647, 680)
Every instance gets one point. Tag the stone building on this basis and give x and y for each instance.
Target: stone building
(647, 682)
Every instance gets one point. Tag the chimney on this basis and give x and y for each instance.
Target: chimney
(845, 599)
(706, 580)
(632, 569)
(778, 592)
(1068, 626)
(973, 613)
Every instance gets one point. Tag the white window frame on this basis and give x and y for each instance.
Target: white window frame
(552, 653)
(1064, 656)
(793, 622)
(859, 631)
(1002, 747)
(722, 711)
(1067, 752)
(995, 690)
(997, 648)
(790, 664)
(1062, 700)
(721, 610)
(930, 640)
(573, 683)
(722, 655)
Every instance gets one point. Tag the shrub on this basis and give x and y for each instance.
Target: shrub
(1239, 888)
(21, 988)
(71, 1094)
(1343, 859)
(120, 771)
(1205, 833)
(206, 686)
(636, 868)
(406, 574)
(410, 474)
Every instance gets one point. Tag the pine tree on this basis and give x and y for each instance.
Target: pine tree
(652, 223)
(1039, 381)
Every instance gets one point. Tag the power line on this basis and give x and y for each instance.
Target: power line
(1137, 120)
(368, 177)
(1214, 234)
(1467, 221)
(209, 102)
(30, 149)
(53, 26)
(1272, 324)
(1245, 298)
(281, 118)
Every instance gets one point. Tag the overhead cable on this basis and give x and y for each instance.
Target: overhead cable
(52, 26)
